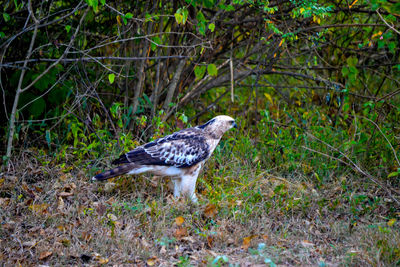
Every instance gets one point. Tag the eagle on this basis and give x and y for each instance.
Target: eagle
(180, 155)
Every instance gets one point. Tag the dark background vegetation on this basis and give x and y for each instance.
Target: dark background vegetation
(310, 177)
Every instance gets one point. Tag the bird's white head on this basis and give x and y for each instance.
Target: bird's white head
(218, 125)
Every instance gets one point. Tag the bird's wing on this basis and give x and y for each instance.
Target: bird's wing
(181, 149)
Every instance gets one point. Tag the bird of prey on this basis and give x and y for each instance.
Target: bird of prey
(180, 156)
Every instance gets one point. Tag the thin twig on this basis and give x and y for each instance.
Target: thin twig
(390, 26)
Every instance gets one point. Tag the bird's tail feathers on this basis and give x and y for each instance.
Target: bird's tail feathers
(120, 170)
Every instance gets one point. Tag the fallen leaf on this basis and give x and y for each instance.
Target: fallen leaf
(210, 211)
(65, 194)
(180, 232)
(391, 222)
(63, 177)
(103, 260)
(151, 261)
(109, 187)
(39, 208)
(38, 189)
(4, 202)
(65, 241)
(163, 250)
(101, 209)
(210, 241)
(43, 255)
(60, 203)
(247, 241)
(307, 243)
(86, 236)
(100, 259)
(179, 220)
(112, 217)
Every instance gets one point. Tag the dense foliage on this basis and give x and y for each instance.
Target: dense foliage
(316, 79)
(313, 84)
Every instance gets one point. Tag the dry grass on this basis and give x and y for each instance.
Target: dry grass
(59, 218)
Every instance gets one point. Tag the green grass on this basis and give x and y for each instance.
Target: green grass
(270, 194)
(291, 217)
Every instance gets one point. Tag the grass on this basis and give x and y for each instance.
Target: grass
(247, 215)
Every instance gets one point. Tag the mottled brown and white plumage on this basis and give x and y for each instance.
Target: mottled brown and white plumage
(180, 155)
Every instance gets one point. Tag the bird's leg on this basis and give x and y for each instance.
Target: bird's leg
(177, 186)
(189, 186)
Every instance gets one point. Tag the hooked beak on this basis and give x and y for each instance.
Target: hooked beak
(234, 125)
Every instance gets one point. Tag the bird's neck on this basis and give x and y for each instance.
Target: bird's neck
(214, 133)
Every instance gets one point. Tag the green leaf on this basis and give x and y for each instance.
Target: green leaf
(68, 28)
(128, 15)
(208, 3)
(148, 17)
(6, 17)
(94, 4)
(202, 28)
(200, 17)
(392, 46)
(381, 44)
(352, 61)
(185, 14)
(393, 174)
(178, 17)
(211, 26)
(2, 35)
(111, 78)
(48, 138)
(345, 71)
(103, 2)
(37, 108)
(157, 41)
(199, 71)
(212, 70)
(201, 25)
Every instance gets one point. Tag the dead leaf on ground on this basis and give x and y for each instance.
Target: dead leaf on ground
(247, 241)
(39, 208)
(163, 250)
(45, 254)
(65, 194)
(210, 211)
(391, 222)
(210, 241)
(60, 203)
(112, 217)
(38, 189)
(307, 243)
(100, 259)
(4, 202)
(103, 260)
(151, 261)
(180, 232)
(86, 236)
(179, 220)
(101, 209)
(109, 187)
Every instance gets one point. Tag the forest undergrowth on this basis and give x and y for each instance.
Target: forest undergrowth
(262, 200)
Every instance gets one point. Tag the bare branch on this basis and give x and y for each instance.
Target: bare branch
(174, 83)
